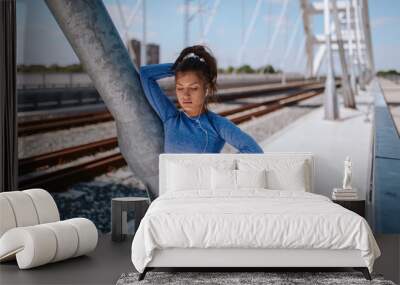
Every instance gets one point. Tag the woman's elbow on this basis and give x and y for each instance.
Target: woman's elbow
(257, 149)
(252, 149)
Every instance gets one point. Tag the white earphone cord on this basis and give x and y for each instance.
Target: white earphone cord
(205, 147)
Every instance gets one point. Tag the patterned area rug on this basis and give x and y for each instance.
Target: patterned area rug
(228, 278)
(92, 200)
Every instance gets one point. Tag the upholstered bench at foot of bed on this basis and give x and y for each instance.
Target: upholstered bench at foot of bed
(51, 242)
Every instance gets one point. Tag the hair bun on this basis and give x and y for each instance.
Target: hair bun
(192, 54)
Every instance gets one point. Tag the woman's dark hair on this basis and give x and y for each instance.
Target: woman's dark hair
(203, 63)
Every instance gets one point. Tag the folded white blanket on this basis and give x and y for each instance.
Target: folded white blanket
(250, 219)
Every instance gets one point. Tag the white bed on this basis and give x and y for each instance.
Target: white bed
(201, 220)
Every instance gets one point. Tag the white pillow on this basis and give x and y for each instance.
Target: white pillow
(188, 177)
(291, 178)
(251, 178)
(223, 179)
(230, 180)
(282, 174)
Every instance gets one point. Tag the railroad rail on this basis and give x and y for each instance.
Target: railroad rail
(53, 124)
(58, 180)
(42, 161)
(224, 95)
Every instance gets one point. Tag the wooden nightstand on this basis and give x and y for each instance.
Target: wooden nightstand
(357, 206)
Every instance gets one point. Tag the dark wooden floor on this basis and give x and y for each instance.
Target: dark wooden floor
(102, 266)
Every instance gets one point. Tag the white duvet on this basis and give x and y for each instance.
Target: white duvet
(251, 218)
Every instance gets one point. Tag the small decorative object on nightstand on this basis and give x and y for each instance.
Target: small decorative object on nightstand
(347, 192)
(119, 214)
(347, 174)
(357, 206)
(347, 196)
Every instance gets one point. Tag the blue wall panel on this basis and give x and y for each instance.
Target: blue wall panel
(386, 186)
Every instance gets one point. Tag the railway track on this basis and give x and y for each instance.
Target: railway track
(58, 180)
(53, 124)
(227, 94)
(276, 105)
(39, 162)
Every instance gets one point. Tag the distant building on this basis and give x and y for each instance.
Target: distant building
(135, 48)
(152, 52)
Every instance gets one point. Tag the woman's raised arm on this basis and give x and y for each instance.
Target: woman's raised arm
(163, 106)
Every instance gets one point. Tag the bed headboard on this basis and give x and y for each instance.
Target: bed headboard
(207, 158)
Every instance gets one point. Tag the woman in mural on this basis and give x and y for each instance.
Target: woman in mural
(195, 129)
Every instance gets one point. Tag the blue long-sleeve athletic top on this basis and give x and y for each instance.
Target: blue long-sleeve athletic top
(184, 134)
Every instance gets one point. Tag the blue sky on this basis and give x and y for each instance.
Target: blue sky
(40, 41)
